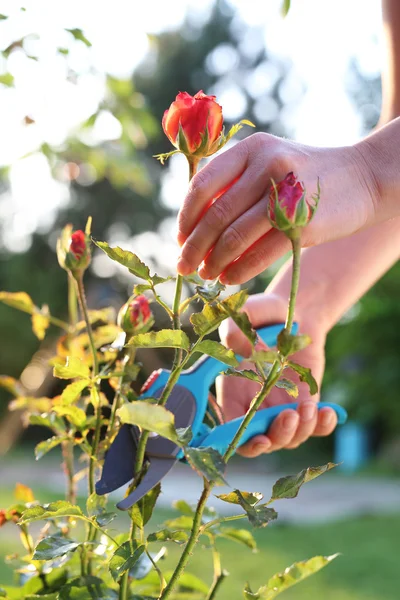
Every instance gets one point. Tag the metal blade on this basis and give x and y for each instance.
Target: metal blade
(158, 468)
(119, 462)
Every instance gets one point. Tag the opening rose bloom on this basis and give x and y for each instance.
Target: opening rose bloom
(135, 316)
(194, 124)
(288, 208)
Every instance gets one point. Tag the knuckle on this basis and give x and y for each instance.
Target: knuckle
(199, 183)
(191, 251)
(232, 239)
(216, 216)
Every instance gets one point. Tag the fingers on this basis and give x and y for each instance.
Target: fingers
(280, 434)
(308, 418)
(327, 421)
(235, 238)
(220, 219)
(208, 184)
(257, 258)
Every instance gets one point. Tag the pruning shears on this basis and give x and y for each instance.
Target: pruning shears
(189, 403)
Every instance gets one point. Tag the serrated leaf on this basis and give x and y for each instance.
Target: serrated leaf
(243, 536)
(209, 319)
(185, 435)
(167, 535)
(142, 511)
(54, 510)
(43, 447)
(251, 498)
(218, 351)
(289, 387)
(288, 487)
(259, 516)
(19, 300)
(244, 324)
(10, 384)
(290, 576)
(124, 559)
(268, 356)
(73, 391)
(150, 417)
(40, 322)
(23, 493)
(95, 504)
(290, 344)
(73, 414)
(83, 588)
(74, 367)
(79, 36)
(105, 518)
(165, 338)
(208, 463)
(305, 375)
(53, 546)
(245, 373)
(210, 291)
(194, 278)
(126, 259)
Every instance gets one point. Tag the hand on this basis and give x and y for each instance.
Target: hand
(292, 427)
(233, 237)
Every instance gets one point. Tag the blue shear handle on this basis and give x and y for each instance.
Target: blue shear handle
(220, 437)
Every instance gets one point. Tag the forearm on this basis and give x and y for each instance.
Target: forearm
(334, 276)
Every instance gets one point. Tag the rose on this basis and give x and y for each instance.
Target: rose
(194, 124)
(73, 250)
(288, 208)
(135, 316)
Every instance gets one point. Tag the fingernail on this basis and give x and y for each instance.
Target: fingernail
(289, 421)
(224, 279)
(204, 273)
(326, 418)
(307, 411)
(183, 267)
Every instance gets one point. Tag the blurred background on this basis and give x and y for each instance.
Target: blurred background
(83, 87)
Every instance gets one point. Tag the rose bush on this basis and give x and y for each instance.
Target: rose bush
(76, 554)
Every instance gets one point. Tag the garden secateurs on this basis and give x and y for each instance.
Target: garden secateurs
(188, 402)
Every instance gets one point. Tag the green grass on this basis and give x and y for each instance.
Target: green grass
(366, 570)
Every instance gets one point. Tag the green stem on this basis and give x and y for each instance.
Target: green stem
(219, 574)
(123, 586)
(68, 455)
(85, 314)
(59, 323)
(186, 303)
(194, 536)
(176, 318)
(220, 520)
(296, 246)
(72, 302)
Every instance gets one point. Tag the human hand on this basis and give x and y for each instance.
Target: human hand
(232, 237)
(292, 427)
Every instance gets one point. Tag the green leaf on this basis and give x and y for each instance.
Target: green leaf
(54, 510)
(210, 291)
(290, 344)
(95, 504)
(23, 493)
(3, 17)
(185, 435)
(183, 507)
(268, 356)
(53, 546)
(83, 588)
(7, 79)
(245, 373)
(123, 559)
(150, 417)
(243, 536)
(10, 384)
(251, 498)
(305, 375)
(74, 367)
(288, 487)
(194, 278)
(105, 518)
(79, 36)
(209, 319)
(73, 391)
(166, 338)
(40, 322)
(142, 511)
(20, 300)
(183, 522)
(43, 447)
(190, 582)
(73, 414)
(289, 387)
(259, 516)
(218, 351)
(285, 7)
(290, 576)
(167, 535)
(235, 128)
(126, 259)
(244, 324)
(208, 463)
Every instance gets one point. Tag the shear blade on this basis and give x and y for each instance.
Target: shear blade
(158, 468)
(119, 462)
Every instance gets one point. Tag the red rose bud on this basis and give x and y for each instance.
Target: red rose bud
(77, 255)
(288, 207)
(194, 124)
(135, 316)
(78, 244)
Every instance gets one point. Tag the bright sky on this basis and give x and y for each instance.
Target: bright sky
(318, 37)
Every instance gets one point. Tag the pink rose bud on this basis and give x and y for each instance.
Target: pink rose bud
(288, 207)
(73, 250)
(135, 316)
(78, 244)
(194, 124)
